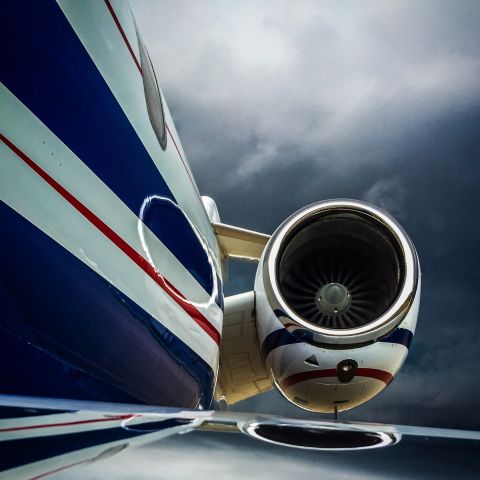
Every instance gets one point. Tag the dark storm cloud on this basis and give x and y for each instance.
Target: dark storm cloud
(435, 197)
(334, 81)
(278, 108)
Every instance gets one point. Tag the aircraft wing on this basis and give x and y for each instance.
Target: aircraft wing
(41, 437)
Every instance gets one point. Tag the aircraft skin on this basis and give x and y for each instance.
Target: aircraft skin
(112, 270)
(112, 273)
(111, 276)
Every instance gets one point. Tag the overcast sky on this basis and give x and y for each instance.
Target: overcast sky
(282, 104)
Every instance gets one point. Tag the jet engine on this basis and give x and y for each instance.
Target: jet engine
(337, 293)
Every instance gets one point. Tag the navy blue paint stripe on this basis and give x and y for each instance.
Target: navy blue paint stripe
(51, 376)
(280, 313)
(46, 66)
(24, 412)
(54, 301)
(281, 337)
(219, 296)
(401, 336)
(278, 338)
(15, 453)
(139, 260)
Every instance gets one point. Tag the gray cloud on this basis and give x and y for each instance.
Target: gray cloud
(320, 76)
(280, 107)
(388, 194)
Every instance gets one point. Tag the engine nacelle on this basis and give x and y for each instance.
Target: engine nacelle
(337, 296)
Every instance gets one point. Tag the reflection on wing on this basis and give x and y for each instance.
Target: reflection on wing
(319, 438)
(41, 437)
(36, 441)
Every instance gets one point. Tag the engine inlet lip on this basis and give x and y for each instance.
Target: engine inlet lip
(369, 332)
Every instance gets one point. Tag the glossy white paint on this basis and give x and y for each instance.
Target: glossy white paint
(27, 193)
(322, 393)
(100, 36)
(84, 422)
(211, 208)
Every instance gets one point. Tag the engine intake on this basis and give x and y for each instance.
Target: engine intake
(342, 269)
(337, 293)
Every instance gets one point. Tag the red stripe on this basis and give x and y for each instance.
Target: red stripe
(127, 43)
(166, 286)
(130, 49)
(174, 142)
(179, 154)
(66, 424)
(332, 372)
(125, 39)
(61, 469)
(381, 375)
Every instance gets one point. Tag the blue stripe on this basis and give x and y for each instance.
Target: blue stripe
(54, 301)
(281, 337)
(280, 313)
(46, 66)
(51, 377)
(15, 453)
(24, 412)
(402, 336)
(278, 338)
(300, 334)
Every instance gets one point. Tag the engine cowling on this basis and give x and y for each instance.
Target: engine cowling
(337, 295)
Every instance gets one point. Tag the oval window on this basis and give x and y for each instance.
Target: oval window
(170, 225)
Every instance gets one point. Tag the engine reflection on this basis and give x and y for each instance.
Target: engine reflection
(319, 438)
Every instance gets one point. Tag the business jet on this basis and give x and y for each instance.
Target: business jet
(114, 329)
